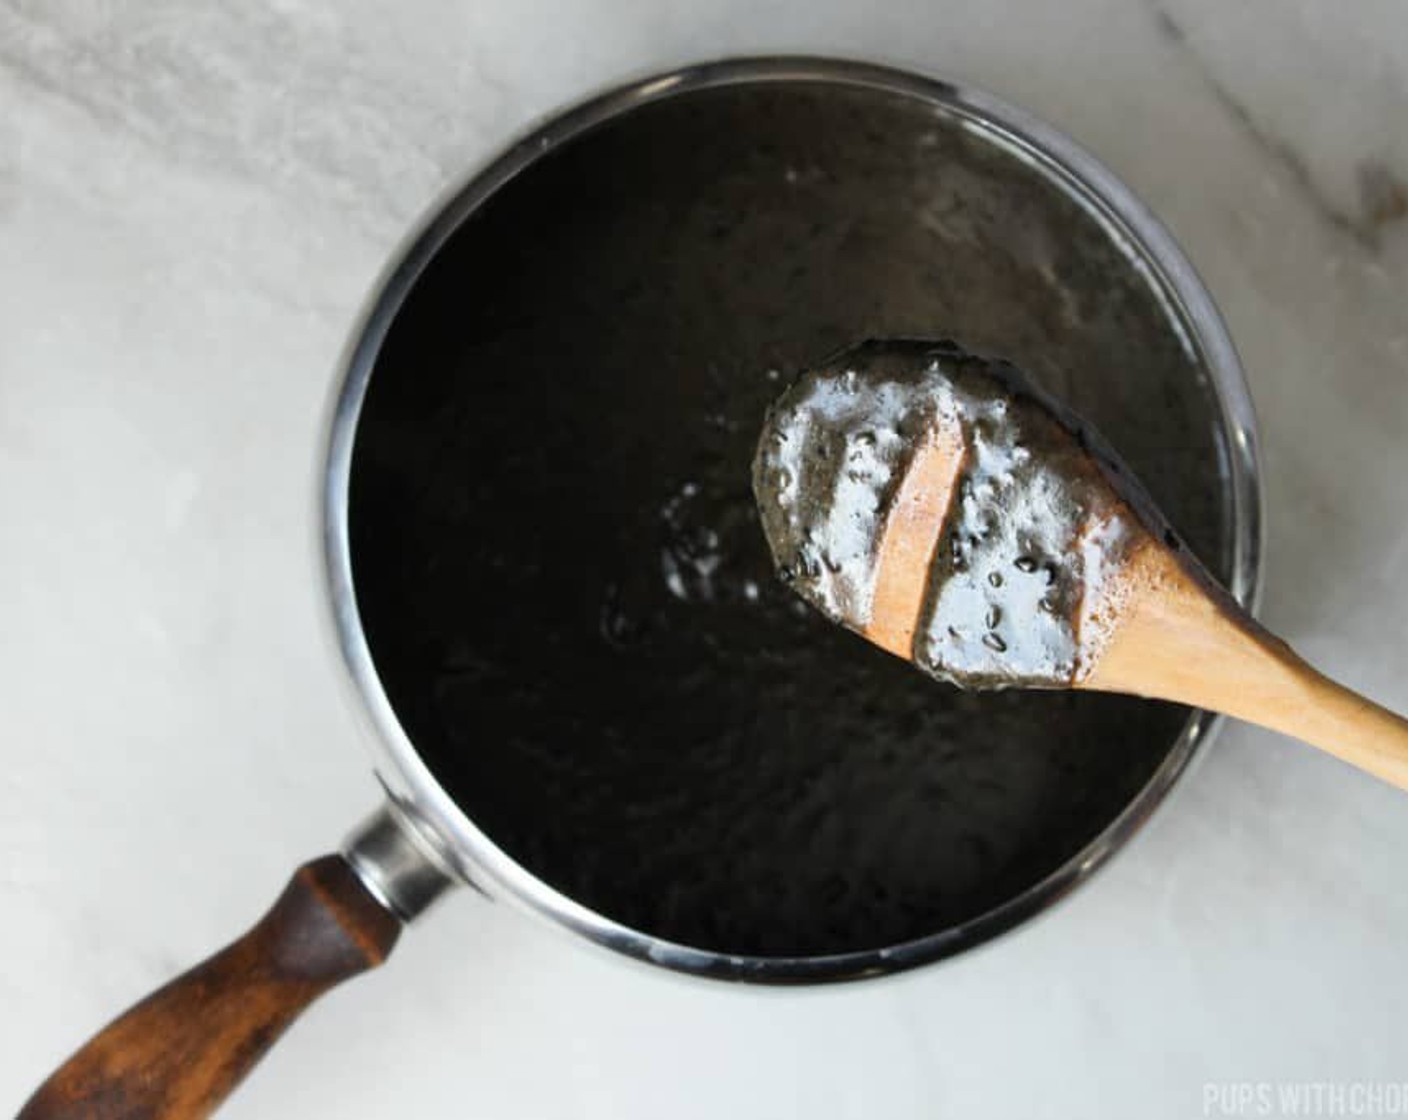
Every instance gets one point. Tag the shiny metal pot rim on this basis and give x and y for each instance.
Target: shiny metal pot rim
(421, 841)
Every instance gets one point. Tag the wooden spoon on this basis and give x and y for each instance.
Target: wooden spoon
(955, 515)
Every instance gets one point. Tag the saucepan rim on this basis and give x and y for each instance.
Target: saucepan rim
(468, 851)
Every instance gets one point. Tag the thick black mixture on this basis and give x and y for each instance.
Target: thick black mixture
(1041, 519)
(557, 556)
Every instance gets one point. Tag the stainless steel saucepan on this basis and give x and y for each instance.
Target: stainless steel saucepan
(549, 589)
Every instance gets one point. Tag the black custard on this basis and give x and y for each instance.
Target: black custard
(556, 552)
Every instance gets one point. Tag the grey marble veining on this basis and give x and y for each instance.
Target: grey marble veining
(194, 200)
(1359, 191)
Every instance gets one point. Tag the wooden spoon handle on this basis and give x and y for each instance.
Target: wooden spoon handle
(1181, 638)
(179, 1053)
(1341, 722)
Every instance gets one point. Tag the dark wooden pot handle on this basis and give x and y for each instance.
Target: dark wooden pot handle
(179, 1053)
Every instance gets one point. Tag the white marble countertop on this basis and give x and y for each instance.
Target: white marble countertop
(193, 201)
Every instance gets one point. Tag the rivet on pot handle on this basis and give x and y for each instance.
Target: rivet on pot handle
(178, 1053)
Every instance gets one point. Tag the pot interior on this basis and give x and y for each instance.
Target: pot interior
(561, 575)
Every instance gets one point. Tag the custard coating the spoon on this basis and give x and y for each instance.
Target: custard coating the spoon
(944, 507)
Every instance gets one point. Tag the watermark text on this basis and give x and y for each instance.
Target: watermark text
(1305, 1098)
